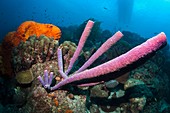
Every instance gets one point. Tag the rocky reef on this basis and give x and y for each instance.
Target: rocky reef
(142, 90)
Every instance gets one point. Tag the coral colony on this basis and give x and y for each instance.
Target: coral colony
(138, 52)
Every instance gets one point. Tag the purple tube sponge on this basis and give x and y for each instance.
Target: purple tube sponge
(122, 61)
(60, 59)
(46, 82)
(60, 63)
(105, 46)
(81, 43)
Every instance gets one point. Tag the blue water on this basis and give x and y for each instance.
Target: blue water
(145, 17)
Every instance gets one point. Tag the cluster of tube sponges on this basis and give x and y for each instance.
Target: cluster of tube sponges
(138, 52)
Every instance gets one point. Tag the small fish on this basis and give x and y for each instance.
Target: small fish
(105, 8)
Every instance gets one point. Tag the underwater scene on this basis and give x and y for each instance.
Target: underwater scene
(84, 56)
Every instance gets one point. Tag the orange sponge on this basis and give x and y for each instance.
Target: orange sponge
(29, 28)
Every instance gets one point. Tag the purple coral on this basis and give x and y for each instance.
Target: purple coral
(113, 65)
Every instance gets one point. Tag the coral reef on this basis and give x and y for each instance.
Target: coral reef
(142, 90)
(135, 94)
(38, 52)
(34, 50)
(25, 30)
(55, 102)
(35, 55)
